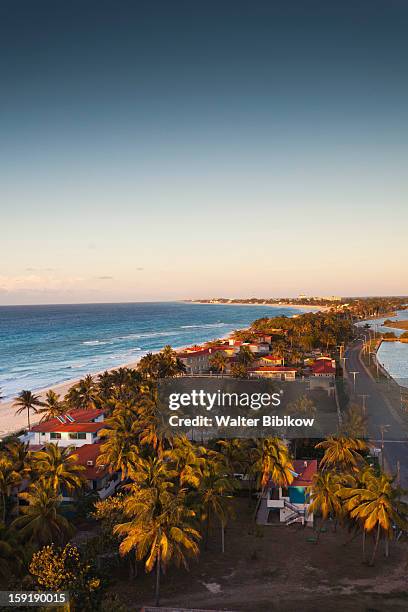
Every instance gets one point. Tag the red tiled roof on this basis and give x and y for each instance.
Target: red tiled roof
(194, 353)
(323, 367)
(87, 453)
(61, 427)
(273, 369)
(305, 472)
(79, 416)
(271, 357)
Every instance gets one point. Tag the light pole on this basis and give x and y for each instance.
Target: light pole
(383, 428)
(374, 354)
(364, 396)
(354, 380)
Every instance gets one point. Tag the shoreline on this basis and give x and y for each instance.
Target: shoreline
(11, 423)
(309, 307)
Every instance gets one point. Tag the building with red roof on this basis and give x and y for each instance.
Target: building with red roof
(76, 428)
(290, 504)
(98, 477)
(277, 372)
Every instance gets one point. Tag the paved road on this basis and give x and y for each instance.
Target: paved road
(382, 409)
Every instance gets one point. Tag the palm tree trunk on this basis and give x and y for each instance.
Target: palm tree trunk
(207, 529)
(157, 589)
(387, 548)
(222, 537)
(28, 418)
(364, 546)
(377, 539)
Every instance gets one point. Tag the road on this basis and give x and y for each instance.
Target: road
(382, 409)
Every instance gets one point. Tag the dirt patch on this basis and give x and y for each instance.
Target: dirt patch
(276, 568)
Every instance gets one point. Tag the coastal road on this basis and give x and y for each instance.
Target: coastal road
(382, 409)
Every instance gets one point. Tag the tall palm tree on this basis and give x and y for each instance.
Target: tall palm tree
(342, 452)
(373, 502)
(160, 530)
(40, 522)
(272, 462)
(219, 362)
(215, 494)
(323, 494)
(120, 447)
(9, 479)
(52, 406)
(26, 401)
(58, 468)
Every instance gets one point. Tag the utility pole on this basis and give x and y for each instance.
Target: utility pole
(354, 380)
(364, 396)
(383, 428)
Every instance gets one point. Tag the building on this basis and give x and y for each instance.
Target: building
(290, 504)
(276, 372)
(77, 427)
(271, 360)
(98, 478)
(324, 367)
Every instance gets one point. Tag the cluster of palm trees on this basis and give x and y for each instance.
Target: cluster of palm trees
(31, 488)
(351, 492)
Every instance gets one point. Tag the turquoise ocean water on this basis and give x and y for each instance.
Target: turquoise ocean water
(45, 345)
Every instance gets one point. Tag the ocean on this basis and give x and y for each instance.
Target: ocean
(41, 346)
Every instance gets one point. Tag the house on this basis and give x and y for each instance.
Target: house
(324, 366)
(77, 427)
(271, 360)
(277, 372)
(98, 478)
(196, 362)
(290, 504)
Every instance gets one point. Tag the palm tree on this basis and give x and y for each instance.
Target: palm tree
(324, 497)
(11, 553)
(342, 452)
(25, 402)
(219, 362)
(160, 530)
(52, 406)
(373, 502)
(9, 479)
(84, 394)
(238, 370)
(245, 356)
(169, 364)
(120, 449)
(58, 469)
(187, 460)
(302, 405)
(355, 422)
(271, 462)
(40, 522)
(215, 494)
(19, 454)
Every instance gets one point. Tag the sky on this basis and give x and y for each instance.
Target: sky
(165, 150)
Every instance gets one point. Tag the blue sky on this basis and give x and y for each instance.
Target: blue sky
(156, 150)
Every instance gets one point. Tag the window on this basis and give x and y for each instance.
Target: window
(80, 435)
(54, 435)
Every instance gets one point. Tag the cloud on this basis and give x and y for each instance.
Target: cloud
(37, 282)
(139, 269)
(40, 269)
(104, 277)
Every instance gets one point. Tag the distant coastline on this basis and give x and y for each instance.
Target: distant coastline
(310, 307)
